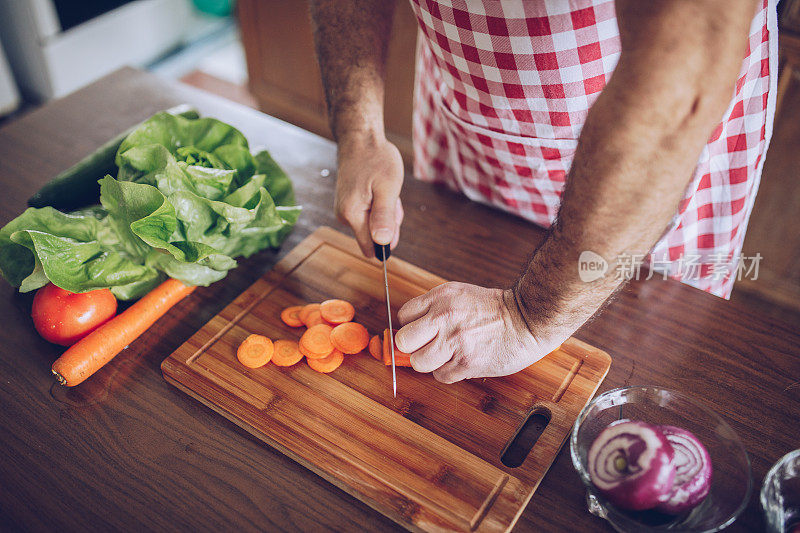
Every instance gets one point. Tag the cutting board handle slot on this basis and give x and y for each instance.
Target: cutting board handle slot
(521, 444)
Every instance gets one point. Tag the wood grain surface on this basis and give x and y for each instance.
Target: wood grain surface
(127, 451)
(430, 458)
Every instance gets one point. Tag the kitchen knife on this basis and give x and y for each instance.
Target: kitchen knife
(382, 252)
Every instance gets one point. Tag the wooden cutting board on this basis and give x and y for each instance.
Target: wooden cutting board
(430, 459)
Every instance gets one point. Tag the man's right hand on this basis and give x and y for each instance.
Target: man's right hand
(368, 185)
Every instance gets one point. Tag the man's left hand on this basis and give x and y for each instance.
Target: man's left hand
(460, 331)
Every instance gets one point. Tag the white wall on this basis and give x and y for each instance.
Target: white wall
(49, 63)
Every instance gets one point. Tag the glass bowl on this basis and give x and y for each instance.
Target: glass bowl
(780, 495)
(731, 482)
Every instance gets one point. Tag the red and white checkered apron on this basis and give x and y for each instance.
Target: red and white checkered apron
(503, 89)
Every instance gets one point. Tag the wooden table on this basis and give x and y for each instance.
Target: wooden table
(128, 451)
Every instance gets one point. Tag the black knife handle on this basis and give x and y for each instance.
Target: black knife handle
(380, 250)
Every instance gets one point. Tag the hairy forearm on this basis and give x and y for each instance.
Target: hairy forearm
(635, 155)
(351, 38)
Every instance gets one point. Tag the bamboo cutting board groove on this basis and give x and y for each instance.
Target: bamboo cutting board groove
(429, 459)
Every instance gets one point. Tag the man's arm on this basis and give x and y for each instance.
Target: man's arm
(351, 39)
(635, 157)
(638, 148)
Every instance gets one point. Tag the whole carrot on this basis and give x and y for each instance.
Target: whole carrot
(89, 354)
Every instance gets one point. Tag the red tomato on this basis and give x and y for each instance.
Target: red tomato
(64, 317)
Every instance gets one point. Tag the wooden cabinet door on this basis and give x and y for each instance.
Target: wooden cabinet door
(284, 74)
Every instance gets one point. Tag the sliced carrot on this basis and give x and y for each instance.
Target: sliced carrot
(337, 311)
(255, 351)
(314, 317)
(310, 355)
(89, 354)
(386, 353)
(400, 358)
(303, 314)
(305, 352)
(376, 348)
(316, 341)
(350, 337)
(327, 364)
(286, 353)
(290, 316)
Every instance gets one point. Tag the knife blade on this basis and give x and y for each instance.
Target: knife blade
(382, 252)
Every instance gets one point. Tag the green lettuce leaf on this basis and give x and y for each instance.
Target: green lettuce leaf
(45, 244)
(209, 267)
(194, 144)
(238, 158)
(153, 164)
(235, 229)
(137, 289)
(277, 182)
(137, 205)
(173, 132)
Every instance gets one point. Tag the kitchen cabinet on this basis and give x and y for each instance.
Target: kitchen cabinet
(284, 73)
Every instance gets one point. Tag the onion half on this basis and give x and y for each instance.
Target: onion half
(692, 471)
(631, 464)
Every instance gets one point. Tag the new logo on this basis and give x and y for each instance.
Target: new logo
(591, 266)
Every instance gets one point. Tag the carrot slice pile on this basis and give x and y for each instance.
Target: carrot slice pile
(350, 337)
(305, 311)
(376, 348)
(255, 351)
(290, 316)
(316, 341)
(286, 353)
(337, 311)
(330, 335)
(327, 364)
(400, 358)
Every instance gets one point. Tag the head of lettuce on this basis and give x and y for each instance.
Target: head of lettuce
(189, 197)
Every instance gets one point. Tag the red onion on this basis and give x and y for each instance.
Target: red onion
(630, 463)
(692, 471)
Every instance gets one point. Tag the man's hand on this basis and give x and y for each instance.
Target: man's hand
(368, 186)
(460, 331)
(351, 38)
